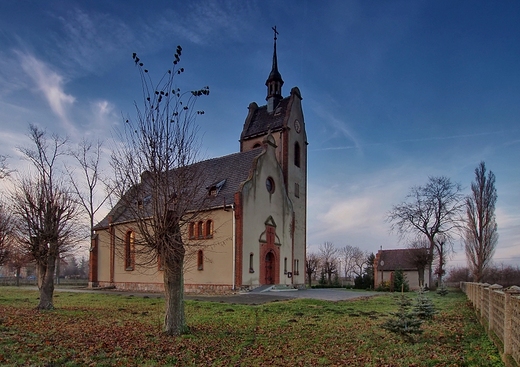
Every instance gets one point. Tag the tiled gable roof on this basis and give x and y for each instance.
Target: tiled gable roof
(228, 171)
(261, 120)
(397, 259)
(233, 168)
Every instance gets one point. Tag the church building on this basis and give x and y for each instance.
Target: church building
(254, 228)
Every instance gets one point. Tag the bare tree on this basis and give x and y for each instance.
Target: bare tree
(360, 259)
(421, 256)
(18, 258)
(6, 234)
(47, 213)
(459, 274)
(329, 259)
(88, 156)
(443, 248)
(480, 232)
(430, 210)
(351, 256)
(160, 186)
(312, 262)
(4, 169)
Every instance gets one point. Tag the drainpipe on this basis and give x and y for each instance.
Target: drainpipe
(234, 244)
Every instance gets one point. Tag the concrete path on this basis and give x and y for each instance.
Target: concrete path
(247, 298)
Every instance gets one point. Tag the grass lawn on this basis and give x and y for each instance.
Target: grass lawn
(119, 330)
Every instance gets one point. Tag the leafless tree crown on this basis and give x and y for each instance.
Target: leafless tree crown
(480, 230)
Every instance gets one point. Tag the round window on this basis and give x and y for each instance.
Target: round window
(269, 184)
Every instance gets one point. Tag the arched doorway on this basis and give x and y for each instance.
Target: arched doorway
(269, 268)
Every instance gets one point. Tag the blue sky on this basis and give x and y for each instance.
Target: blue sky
(393, 91)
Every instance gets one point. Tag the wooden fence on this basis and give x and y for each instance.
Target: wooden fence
(498, 310)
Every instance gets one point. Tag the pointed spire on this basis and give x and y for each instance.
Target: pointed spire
(274, 82)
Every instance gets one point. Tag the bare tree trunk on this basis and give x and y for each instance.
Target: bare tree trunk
(58, 270)
(18, 276)
(46, 284)
(174, 320)
(430, 265)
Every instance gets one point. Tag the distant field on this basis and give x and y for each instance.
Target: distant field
(120, 330)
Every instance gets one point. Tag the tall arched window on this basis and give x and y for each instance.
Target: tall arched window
(297, 154)
(129, 250)
(296, 269)
(192, 230)
(209, 228)
(251, 258)
(200, 260)
(200, 232)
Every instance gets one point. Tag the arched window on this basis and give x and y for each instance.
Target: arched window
(257, 145)
(200, 232)
(251, 258)
(209, 228)
(200, 260)
(297, 154)
(129, 250)
(285, 265)
(192, 230)
(296, 269)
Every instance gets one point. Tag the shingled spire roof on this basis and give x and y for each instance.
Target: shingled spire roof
(274, 82)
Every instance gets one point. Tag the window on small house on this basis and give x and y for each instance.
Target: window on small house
(200, 232)
(251, 268)
(200, 260)
(209, 228)
(297, 154)
(129, 250)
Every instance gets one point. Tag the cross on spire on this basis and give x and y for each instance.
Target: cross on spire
(275, 32)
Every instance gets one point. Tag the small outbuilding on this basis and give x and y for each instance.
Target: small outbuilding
(411, 261)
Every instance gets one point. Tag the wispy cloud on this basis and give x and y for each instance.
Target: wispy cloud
(211, 21)
(340, 128)
(50, 83)
(354, 213)
(425, 139)
(103, 118)
(91, 40)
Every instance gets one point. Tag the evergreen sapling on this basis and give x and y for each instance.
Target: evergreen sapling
(405, 322)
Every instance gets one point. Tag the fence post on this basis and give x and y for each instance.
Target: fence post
(512, 291)
(484, 306)
(491, 312)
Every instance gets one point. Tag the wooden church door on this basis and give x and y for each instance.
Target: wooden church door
(269, 268)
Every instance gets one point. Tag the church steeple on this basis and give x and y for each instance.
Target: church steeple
(274, 82)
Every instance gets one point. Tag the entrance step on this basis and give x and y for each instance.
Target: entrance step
(283, 288)
(262, 288)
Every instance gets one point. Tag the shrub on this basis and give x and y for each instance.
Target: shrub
(400, 281)
(424, 307)
(406, 323)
